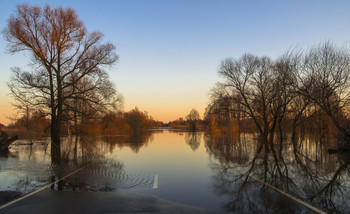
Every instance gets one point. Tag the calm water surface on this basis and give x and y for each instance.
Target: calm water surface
(219, 172)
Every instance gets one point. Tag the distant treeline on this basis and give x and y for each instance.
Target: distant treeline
(192, 122)
(36, 124)
(184, 125)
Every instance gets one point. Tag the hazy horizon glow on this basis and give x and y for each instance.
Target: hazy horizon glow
(170, 50)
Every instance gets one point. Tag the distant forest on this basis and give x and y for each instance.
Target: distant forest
(36, 124)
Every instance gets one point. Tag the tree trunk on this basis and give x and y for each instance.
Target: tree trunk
(55, 141)
(5, 142)
(346, 133)
(56, 121)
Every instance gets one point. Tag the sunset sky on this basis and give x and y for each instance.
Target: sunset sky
(170, 50)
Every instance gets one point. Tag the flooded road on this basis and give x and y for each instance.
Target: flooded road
(218, 172)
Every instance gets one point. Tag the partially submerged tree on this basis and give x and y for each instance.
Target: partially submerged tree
(259, 87)
(192, 119)
(292, 89)
(63, 55)
(324, 78)
(91, 105)
(222, 105)
(137, 120)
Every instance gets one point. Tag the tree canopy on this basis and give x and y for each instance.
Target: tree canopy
(69, 64)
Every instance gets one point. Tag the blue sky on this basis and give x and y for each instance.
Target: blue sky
(170, 50)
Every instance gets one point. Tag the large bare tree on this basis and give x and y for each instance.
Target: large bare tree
(63, 55)
(324, 78)
(261, 88)
(294, 88)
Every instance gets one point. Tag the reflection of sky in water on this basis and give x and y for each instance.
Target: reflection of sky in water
(193, 168)
(24, 169)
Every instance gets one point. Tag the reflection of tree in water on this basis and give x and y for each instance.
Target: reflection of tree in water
(227, 148)
(134, 141)
(75, 152)
(193, 139)
(321, 180)
(328, 192)
(179, 132)
(82, 149)
(102, 173)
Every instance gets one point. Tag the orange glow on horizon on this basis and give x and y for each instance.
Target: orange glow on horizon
(162, 113)
(166, 112)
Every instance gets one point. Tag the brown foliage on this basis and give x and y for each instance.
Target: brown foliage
(35, 125)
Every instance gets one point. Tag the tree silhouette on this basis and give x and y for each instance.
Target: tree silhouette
(192, 119)
(63, 54)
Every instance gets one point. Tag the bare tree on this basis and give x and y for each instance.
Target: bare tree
(222, 105)
(324, 78)
(21, 103)
(91, 104)
(192, 119)
(60, 47)
(260, 87)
